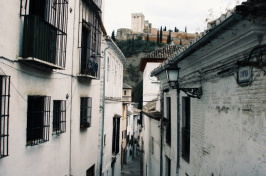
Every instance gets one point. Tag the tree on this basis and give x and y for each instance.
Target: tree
(148, 39)
(169, 38)
(161, 35)
(180, 43)
(186, 29)
(176, 30)
(113, 36)
(158, 38)
(164, 28)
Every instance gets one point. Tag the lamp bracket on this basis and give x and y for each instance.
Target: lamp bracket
(192, 92)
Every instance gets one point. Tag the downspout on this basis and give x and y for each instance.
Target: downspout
(71, 98)
(161, 133)
(178, 131)
(103, 108)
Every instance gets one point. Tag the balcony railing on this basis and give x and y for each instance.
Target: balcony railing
(42, 42)
(185, 144)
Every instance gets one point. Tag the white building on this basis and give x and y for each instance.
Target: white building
(222, 130)
(50, 54)
(157, 146)
(112, 107)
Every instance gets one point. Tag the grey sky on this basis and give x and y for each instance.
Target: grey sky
(169, 13)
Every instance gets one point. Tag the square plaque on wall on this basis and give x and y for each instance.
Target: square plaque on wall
(244, 75)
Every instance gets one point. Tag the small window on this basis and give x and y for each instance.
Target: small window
(85, 112)
(4, 114)
(59, 117)
(125, 92)
(38, 120)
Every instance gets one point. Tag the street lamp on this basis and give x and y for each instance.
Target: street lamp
(172, 73)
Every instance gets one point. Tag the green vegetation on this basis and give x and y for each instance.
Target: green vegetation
(134, 46)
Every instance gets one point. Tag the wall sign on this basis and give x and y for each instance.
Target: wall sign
(244, 75)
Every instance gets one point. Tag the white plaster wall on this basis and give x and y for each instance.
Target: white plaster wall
(150, 88)
(52, 157)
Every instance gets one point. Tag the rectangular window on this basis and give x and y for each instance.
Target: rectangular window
(152, 145)
(116, 133)
(186, 128)
(4, 114)
(91, 171)
(59, 117)
(168, 166)
(168, 116)
(38, 119)
(85, 112)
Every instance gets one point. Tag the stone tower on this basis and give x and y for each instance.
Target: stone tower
(137, 22)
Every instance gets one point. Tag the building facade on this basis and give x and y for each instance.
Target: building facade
(112, 69)
(220, 100)
(50, 87)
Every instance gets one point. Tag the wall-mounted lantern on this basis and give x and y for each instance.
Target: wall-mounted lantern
(172, 73)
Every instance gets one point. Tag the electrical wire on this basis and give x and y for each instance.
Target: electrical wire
(14, 86)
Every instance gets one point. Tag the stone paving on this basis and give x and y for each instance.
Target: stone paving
(132, 168)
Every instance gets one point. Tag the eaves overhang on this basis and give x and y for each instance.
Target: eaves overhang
(116, 49)
(197, 43)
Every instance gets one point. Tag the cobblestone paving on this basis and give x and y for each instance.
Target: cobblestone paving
(132, 168)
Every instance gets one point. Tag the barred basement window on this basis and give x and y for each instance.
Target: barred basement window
(59, 117)
(85, 112)
(38, 120)
(4, 114)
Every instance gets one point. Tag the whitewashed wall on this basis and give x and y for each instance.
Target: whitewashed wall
(53, 157)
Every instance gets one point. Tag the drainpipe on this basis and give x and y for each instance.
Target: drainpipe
(178, 131)
(103, 108)
(71, 98)
(161, 133)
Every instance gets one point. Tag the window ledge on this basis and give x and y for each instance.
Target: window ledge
(86, 76)
(41, 62)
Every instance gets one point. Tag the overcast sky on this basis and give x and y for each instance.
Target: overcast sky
(169, 13)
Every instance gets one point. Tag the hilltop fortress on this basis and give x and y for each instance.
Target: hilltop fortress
(143, 28)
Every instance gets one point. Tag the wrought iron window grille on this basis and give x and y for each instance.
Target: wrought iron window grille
(4, 114)
(90, 40)
(185, 130)
(168, 116)
(45, 31)
(59, 117)
(85, 112)
(38, 119)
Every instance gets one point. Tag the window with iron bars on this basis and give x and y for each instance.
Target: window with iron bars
(186, 128)
(90, 39)
(59, 117)
(38, 119)
(116, 136)
(168, 116)
(4, 114)
(45, 30)
(85, 112)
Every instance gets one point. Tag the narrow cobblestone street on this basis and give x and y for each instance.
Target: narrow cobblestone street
(132, 168)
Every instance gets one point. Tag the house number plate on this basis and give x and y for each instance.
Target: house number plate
(244, 75)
